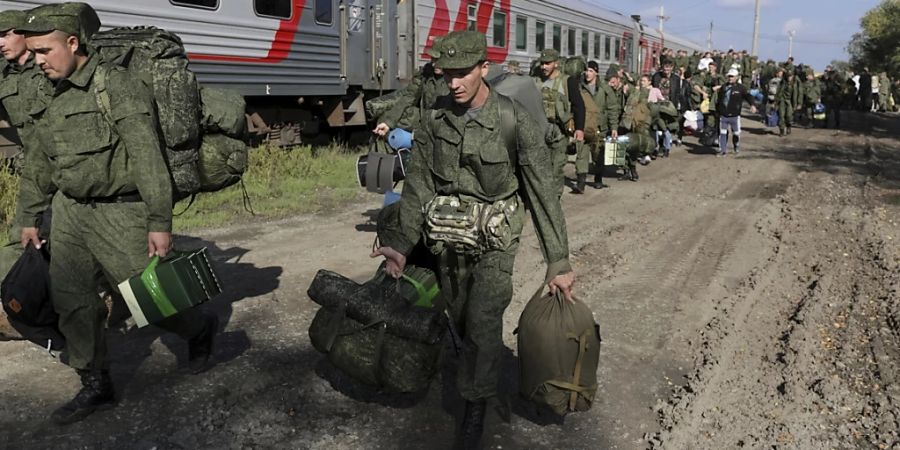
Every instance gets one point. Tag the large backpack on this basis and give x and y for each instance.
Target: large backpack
(157, 58)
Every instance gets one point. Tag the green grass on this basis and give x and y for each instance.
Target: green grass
(280, 183)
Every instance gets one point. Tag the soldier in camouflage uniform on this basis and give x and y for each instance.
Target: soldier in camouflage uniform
(601, 115)
(789, 101)
(832, 96)
(812, 95)
(554, 87)
(24, 91)
(114, 207)
(638, 118)
(463, 159)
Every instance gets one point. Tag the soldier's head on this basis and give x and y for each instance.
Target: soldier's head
(790, 59)
(779, 73)
(463, 58)
(58, 35)
(12, 45)
(713, 67)
(645, 81)
(512, 67)
(668, 67)
(549, 62)
(591, 72)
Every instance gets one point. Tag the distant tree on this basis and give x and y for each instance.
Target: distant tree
(876, 45)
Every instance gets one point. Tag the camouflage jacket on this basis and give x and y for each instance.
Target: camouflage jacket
(87, 152)
(812, 92)
(24, 94)
(403, 108)
(469, 159)
(789, 95)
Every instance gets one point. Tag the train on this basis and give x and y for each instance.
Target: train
(305, 66)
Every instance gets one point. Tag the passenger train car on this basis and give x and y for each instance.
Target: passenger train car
(304, 63)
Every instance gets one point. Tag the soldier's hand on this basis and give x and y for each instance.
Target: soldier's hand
(579, 135)
(30, 236)
(563, 283)
(396, 261)
(382, 129)
(614, 134)
(753, 110)
(159, 243)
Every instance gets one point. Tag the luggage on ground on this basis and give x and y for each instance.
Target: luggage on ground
(559, 351)
(382, 332)
(709, 137)
(772, 119)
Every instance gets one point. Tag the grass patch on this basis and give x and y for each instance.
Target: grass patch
(280, 183)
(9, 190)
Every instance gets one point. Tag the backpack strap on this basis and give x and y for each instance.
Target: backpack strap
(509, 128)
(101, 75)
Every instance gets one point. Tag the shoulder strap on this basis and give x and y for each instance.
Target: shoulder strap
(509, 128)
(101, 74)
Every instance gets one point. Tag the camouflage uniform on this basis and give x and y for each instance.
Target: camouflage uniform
(812, 94)
(24, 92)
(464, 155)
(832, 97)
(115, 188)
(556, 107)
(641, 139)
(788, 99)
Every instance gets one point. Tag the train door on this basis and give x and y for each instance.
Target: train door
(369, 55)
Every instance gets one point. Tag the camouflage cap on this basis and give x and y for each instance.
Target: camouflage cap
(461, 50)
(549, 55)
(11, 19)
(435, 51)
(75, 18)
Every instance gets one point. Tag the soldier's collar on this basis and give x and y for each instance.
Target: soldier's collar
(82, 76)
(487, 116)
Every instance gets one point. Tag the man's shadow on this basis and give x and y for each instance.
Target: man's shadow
(129, 347)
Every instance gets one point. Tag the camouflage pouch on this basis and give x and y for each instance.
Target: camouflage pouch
(469, 227)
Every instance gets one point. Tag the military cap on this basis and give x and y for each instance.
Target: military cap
(435, 51)
(75, 18)
(461, 50)
(549, 55)
(611, 73)
(11, 19)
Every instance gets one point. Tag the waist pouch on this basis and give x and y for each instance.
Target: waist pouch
(469, 227)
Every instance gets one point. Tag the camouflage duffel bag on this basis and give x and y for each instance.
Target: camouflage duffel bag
(377, 332)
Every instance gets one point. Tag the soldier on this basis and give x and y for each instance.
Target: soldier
(812, 95)
(597, 96)
(788, 101)
(884, 91)
(114, 207)
(463, 159)
(560, 107)
(638, 119)
(23, 91)
(513, 67)
(832, 96)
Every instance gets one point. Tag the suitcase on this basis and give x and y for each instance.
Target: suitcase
(614, 154)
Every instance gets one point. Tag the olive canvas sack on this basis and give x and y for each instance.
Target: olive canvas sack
(25, 293)
(559, 351)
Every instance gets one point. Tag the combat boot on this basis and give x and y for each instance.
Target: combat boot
(200, 347)
(580, 183)
(598, 182)
(96, 394)
(469, 437)
(788, 130)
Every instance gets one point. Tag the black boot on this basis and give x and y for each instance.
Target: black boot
(634, 174)
(598, 182)
(788, 130)
(580, 183)
(469, 437)
(96, 394)
(200, 347)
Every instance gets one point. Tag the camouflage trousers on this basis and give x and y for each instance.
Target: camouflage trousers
(89, 240)
(588, 152)
(477, 290)
(785, 116)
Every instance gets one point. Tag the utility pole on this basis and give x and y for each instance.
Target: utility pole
(756, 29)
(662, 17)
(791, 43)
(709, 38)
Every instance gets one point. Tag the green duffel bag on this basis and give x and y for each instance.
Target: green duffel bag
(223, 160)
(559, 351)
(382, 332)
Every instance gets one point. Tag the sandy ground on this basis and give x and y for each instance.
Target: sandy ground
(745, 302)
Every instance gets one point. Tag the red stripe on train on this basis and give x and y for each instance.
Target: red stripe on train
(281, 44)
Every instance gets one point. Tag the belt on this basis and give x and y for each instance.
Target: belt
(131, 197)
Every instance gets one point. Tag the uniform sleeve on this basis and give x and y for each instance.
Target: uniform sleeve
(36, 188)
(418, 189)
(577, 101)
(613, 110)
(131, 106)
(539, 188)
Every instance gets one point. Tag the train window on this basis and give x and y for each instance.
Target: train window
(608, 53)
(540, 36)
(584, 43)
(521, 33)
(210, 4)
(280, 9)
(557, 38)
(499, 29)
(572, 48)
(473, 17)
(597, 46)
(324, 12)
(618, 46)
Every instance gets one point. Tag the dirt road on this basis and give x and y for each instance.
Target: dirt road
(748, 301)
